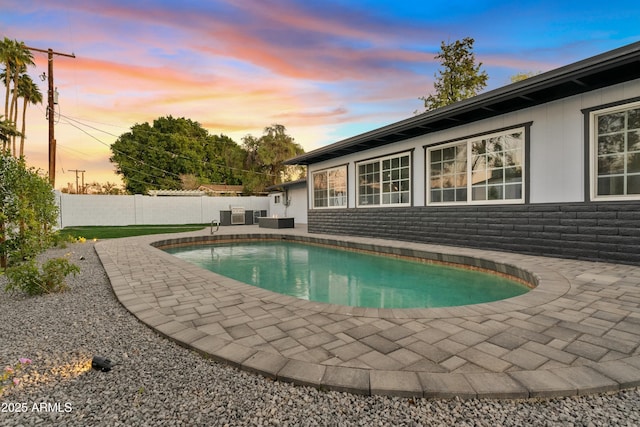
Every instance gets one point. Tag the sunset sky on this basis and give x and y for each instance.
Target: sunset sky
(326, 70)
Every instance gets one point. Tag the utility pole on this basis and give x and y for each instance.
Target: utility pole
(76, 171)
(50, 110)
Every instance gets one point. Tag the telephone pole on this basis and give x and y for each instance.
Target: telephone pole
(76, 171)
(50, 110)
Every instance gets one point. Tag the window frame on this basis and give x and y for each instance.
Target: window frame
(379, 161)
(327, 172)
(467, 142)
(592, 142)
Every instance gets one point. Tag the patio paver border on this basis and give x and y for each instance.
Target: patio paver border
(151, 283)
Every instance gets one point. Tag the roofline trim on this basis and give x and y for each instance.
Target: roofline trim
(568, 73)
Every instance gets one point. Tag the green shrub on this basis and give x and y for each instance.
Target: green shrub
(27, 278)
(28, 212)
(61, 240)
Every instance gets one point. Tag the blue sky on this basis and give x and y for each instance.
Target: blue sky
(326, 70)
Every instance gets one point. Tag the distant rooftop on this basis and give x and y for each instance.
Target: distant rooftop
(221, 189)
(284, 185)
(203, 190)
(176, 193)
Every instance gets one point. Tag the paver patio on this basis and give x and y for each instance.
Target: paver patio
(577, 332)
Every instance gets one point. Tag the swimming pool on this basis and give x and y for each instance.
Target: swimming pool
(346, 277)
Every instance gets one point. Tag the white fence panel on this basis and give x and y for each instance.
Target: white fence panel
(82, 209)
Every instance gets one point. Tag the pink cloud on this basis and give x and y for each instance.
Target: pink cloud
(515, 63)
(336, 112)
(235, 69)
(314, 46)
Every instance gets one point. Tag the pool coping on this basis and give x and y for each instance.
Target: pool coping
(546, 285)
(163, 292)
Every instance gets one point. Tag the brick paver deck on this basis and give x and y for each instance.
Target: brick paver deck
(577, 332)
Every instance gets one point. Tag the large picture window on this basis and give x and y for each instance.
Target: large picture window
(616, 152)
(385, 181)
(484, 169)
(330, 188)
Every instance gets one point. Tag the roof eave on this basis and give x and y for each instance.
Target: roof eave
(562, 82)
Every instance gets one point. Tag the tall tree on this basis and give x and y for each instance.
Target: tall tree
(266, 156)
(13, 107)
(15, 57)
(460, 78)
(30, 94)
(224, 160)
(152, 157)
(8, 50)
(21, 58)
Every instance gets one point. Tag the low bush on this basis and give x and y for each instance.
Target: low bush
(26, 277)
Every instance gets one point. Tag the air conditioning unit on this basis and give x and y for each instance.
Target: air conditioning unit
(237, 216)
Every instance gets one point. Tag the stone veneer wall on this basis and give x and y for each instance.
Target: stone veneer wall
(594, 231)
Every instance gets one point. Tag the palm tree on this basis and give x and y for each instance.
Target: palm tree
(8, 49)
(15, 57)
(7, 131)
(13, 119)
(30, 92)
(5, 125)
(21, 59)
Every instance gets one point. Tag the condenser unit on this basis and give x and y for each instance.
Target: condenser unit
(237, 216)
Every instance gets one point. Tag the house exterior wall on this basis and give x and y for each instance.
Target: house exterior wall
(557, 218)
(595, 231)
(297, 208)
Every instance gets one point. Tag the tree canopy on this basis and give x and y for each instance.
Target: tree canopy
(460, 78)
(177, 153)
(156, 156)
(266, 156)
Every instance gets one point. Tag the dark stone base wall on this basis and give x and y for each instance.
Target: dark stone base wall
(593, 231)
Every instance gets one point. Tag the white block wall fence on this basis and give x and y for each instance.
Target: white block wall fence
(81, 209)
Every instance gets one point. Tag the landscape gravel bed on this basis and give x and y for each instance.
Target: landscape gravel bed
(158, 383)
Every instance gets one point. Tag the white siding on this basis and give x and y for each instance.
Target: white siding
(297, 208)
(557, 146)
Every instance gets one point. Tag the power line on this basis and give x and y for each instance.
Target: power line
(68, 119)
(158, 149)
(124, 154)
(89, 126)
(76, 171)
(51, 109)
(139, 171)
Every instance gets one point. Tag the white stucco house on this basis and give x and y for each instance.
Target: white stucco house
(549, 165)
(289, 199)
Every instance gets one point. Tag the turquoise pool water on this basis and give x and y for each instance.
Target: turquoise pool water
(337, 276)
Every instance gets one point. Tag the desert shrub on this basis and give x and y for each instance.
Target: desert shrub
(26, 277)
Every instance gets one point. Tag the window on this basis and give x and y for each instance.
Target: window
(616, 152)
(487, 168)
(448, 174)
(385, 181)
(330, 188)
(276, 199)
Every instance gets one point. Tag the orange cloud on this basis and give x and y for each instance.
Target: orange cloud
(234, 66)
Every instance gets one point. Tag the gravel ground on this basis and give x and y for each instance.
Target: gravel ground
(158, 383)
